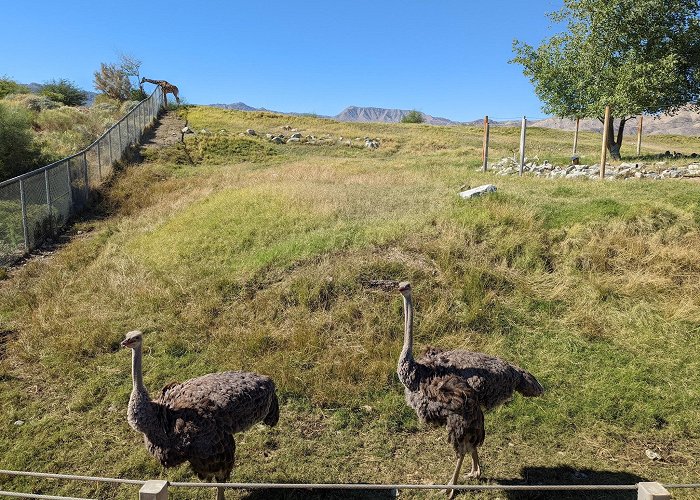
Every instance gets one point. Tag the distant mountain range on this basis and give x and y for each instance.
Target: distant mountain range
(685, 122)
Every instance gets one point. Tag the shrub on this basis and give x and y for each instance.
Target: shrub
(8, 86)
(138, 95)
(18, 151)
(413, 117)
(32, 102)
(65, 92)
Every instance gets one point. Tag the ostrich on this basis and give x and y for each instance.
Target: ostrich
(450, 388)
(195, 421)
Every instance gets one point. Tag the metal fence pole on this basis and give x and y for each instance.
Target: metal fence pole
(86, 177)
(70, 188)
(119, 133)
(109, 138)
(48, 200)
(99, 160)
(604, 148)
(25, 229)
(523, 126)
(485, 155)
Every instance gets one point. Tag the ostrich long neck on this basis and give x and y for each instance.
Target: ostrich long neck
(142, 413)
(407, 368)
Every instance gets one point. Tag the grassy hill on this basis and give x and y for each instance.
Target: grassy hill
(235, 253)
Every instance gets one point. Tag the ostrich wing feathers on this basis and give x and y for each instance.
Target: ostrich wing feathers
(234, 400)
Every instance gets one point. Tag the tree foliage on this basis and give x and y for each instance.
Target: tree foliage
(65, 92)
(413, 116)
(637, 56)
(113, 81)
(8, 86)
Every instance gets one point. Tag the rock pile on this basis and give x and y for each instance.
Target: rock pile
(658, 170)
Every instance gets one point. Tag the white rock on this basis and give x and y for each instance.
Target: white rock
(477, 191)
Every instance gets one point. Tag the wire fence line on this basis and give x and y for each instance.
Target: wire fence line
(158, 489)
(34, 206)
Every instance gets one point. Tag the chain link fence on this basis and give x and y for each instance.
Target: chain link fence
(36, 205)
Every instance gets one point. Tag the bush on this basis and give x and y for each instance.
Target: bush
(413, 117)
(138, 95)
(8, 86)
(32, 102)
(18, 151)
(65, 92)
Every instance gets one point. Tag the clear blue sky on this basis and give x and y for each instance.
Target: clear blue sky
(446, 58)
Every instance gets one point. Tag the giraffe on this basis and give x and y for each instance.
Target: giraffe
(168, 88)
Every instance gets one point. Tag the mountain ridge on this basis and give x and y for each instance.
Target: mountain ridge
(685, 122)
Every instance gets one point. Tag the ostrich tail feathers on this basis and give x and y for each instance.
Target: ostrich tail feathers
(528, 385)
(273, 414)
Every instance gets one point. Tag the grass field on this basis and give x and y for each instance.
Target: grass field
(235, 253)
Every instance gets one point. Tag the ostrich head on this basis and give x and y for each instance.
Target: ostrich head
(405, 288)
(133, 339)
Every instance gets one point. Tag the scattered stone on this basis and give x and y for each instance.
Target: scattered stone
(296, 135)
(293, 139)
(371, 143)
(188, 130)
(652, 455)
(250, 131)
(19, 422)
(478, 191)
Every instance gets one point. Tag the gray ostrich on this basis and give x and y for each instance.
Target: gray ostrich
(450, 388)
(195, 421)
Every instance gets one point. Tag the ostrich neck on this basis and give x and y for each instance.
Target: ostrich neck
(407, 369)
(141, 413)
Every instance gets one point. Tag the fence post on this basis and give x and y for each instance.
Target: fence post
(154, 490)
(119, 133)
(576, 136)
(128, 138)
(109, 139)
(523, 126)
(48, 200)
(86, 177)
(25, 229)
(604, 149)
(99, 160)
(639, 135)
(485, 155)
(652, 491)
(70, 187)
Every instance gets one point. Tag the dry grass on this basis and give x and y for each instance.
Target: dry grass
(258, 263)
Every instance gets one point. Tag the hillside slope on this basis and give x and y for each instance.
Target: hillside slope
(232, 252)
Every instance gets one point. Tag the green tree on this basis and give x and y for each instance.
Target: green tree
(65, 92)
(637, 56)
(8, 86)
(18, 151)
(413, 116)
(113, 81)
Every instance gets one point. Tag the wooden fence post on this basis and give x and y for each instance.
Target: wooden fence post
(604, 149)
(485, 155)
(652, 491)
(639, 135)
(576, 136)
(523, 126)
(154, 490)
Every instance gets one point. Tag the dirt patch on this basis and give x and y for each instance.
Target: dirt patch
(168, 131)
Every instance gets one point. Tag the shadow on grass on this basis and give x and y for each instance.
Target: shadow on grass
(568, 476)
(311, 494)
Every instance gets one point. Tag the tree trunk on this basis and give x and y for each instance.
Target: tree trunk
(614, 145)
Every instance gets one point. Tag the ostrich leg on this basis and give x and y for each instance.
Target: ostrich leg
(220, 493)
(455, 476)
(476, 468)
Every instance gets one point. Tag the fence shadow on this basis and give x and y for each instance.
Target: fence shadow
(311, 494)
(568, 475)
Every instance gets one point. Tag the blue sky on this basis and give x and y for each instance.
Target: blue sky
(446, 58)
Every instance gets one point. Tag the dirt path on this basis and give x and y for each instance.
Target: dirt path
(168, 131)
